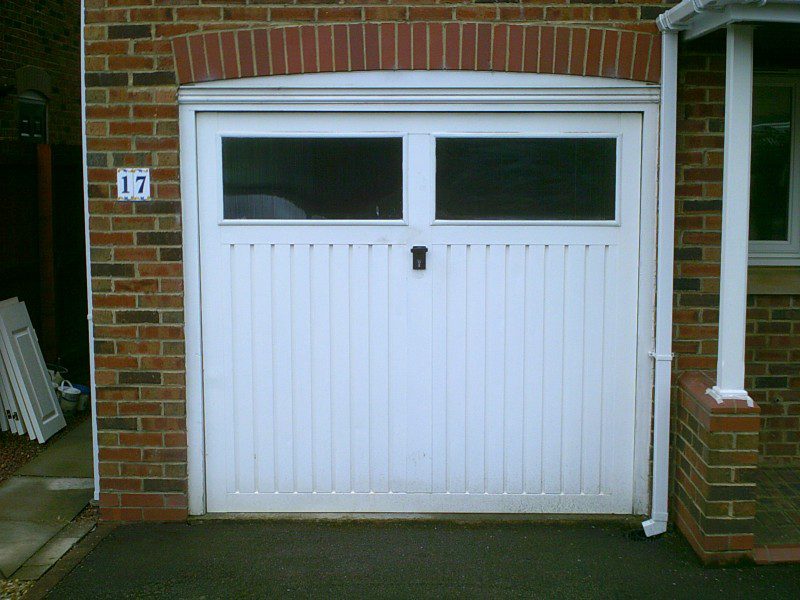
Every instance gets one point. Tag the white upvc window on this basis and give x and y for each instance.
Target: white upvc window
(775, 171)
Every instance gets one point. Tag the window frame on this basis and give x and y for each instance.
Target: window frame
(33, 98)
(780, 252)
(302, 133)
(404, 166)
(612, 222)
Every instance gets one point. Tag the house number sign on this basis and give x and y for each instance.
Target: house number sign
(133, 184)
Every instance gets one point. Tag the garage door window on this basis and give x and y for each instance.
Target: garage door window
(312, 178)
(526, 178)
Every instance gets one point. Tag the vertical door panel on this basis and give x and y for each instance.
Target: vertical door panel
(553, 376)
(494, 411)
(321, 391)
(283, 351)
(340, 367)
(476, 368)
(242, 368)
(359, 367)
(419, 399)
(533, 366)
(437, 263)
(378, 397)
(302, 423)
(514, 416)
(574, 328)
(263, 373)
(398, 375)
(455, 313)
(594, 359)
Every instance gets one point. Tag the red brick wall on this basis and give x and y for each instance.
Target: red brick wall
(288, 50)
(136, 248)
(773, 373)
(701, 112)
(773, 329)
(714, 461)
(44, 34)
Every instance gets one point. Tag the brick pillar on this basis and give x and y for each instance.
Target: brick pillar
(715, 456)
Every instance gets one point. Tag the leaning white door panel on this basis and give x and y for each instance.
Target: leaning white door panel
(337, 378)
(31, 380)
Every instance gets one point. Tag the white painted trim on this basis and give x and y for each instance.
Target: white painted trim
(720, 395)
(774, 260)
(735, 210)
(407, 82)
(784, 253)
(785, 11)
(192, 304)
(406, 90)
(662, 354)
(88, 243)
(392, 503)
(530, 95)
(695, 18)
(647, 310)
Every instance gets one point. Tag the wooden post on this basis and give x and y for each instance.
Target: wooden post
(47, 280)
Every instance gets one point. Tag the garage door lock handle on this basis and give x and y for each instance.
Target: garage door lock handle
(418, 257)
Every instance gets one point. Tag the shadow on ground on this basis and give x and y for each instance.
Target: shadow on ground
(249, 559)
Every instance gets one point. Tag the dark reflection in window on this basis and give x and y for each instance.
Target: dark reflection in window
(312, 178)
(530, 178)
(770, 171)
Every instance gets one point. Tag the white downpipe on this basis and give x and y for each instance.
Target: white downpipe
(657, 523)
(89, 312)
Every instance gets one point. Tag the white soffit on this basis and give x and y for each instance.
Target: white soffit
(696, 18)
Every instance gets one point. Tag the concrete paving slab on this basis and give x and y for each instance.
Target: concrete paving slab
(44, 499)
(19, 540)
(31, 572)
(52, 550)
(61, 543)
(40, 500)
(69, 456)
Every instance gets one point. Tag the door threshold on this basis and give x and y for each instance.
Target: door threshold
(633, 520)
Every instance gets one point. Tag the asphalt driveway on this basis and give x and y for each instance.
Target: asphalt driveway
(259, 559)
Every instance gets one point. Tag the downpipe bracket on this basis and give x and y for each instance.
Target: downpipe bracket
(661, 357)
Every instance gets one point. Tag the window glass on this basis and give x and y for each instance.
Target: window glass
(32, 119)
(770, 171)
(312, 178)
(530, 178)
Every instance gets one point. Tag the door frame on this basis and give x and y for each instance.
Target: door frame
(417, 91)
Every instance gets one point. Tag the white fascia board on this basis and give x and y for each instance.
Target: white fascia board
(396, 89)
(427, 80)
(696, 18)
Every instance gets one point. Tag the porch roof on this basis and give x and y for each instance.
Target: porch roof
(696, 18)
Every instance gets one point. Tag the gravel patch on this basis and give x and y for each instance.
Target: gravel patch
(89, 514)
(13, 589)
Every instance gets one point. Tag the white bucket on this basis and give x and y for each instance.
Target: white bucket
(69, 396)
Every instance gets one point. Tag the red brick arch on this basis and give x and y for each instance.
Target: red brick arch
(418, 46)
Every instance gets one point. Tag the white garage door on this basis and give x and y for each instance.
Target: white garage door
(499, 378)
